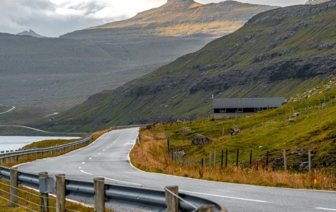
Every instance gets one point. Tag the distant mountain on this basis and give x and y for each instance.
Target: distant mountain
(53, 73)
(276, 53)
(162, 34)
(57, 74)
(30, 33)
(316, 1)
(187, 17)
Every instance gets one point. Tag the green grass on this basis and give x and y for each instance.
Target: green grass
(268, 131)
(151, 156)
(183, 89)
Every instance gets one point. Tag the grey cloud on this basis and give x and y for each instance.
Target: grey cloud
(42, 16)
(36, 4)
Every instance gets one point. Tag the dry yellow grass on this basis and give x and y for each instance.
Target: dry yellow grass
(152, 155)
(97, 134)
(29, 198)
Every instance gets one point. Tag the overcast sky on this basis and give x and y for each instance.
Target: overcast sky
(56, 17)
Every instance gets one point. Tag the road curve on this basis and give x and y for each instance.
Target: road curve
(108, 158)
(13, 107)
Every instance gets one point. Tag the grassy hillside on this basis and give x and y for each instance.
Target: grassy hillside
(264, 133)
(277, 53)
(55, 74)
(268, 130)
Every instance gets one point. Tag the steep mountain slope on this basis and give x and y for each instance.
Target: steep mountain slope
(162, 34)
(277, 53)
(69, 71)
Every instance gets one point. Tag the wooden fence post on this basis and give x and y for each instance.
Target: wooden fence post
(171, 199)
(44, 197)
(237, 159)
(60, 193)
(99, 196)
(285, 159)
(226, 158)
(222, 159)
(267, 160)
(251, 158)
(309, 160)
(215, 158)
(13, 187)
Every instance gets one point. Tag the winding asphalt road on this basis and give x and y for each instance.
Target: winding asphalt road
(108, 158)
(8, 110)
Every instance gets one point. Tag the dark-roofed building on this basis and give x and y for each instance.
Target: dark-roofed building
(246, 105)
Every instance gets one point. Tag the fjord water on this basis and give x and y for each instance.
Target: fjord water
(17, 142)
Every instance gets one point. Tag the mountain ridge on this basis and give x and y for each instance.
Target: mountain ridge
(30, 33)
(180, 13)
(45, 77)
(277, 53)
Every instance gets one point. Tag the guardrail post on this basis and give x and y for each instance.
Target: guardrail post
(60, 193)
(13, 187)
(171, 199)
(44, 197)
(99, 195)
(206, 208)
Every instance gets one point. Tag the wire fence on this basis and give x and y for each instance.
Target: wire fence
(27, 198)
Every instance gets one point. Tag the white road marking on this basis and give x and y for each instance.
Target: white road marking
(122, 181)
(90, 158)
(326, 209)
(83, 163)
(86, 172)
(227, 197)
(79, 167)
(99, 153)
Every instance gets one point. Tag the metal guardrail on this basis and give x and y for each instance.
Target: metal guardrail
(150, 199)
(43, 150)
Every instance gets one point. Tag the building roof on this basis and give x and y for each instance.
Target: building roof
(248, 103)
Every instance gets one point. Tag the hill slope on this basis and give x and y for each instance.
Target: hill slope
(51, 72)
(277, 53)
(98, 59)
(163, 34)
(187, 17)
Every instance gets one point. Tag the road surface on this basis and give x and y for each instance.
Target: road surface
(108, 158)
(8, 110)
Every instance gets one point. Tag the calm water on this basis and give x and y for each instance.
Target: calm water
(17, 142)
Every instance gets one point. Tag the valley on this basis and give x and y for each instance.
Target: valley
(278, 53)
(55, 74)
